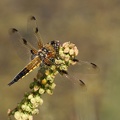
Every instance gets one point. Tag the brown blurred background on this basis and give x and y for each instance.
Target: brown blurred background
(94, 26)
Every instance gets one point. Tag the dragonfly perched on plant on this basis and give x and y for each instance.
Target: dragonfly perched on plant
(48, 54)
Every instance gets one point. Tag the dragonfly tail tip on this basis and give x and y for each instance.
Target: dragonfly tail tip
(10, 83)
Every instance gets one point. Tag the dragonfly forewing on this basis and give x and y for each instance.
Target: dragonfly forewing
(85, 67)
(21, 45)
(33, 29)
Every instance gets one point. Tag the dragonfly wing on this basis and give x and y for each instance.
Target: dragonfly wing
(85, 67)
(22, 46)
(80, 67)
(26, 70)
(73, 79)
(33, 30)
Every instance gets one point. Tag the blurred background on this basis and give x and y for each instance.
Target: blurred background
(94, 26)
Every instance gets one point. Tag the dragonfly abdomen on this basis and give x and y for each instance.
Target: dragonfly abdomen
(32, 65)
(24, 72)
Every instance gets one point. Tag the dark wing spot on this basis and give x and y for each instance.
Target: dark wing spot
(63, 72)
(12, 30)
(36, 30)
(94, 65)
(24, 41)
(32, 18)
(32, 52)
(75, 60)
(82, 83)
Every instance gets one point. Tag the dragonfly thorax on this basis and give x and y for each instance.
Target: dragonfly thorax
(42, 55)
(46, 56)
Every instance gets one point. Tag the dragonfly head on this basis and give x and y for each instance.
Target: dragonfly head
(56, 45)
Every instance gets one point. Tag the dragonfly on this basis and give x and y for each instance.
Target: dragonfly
(45, 54)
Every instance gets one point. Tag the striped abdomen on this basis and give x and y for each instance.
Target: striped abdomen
(32, 65)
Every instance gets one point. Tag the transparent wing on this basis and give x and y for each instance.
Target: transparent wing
(72, 78)
(33, 31)
(76, 73)
(85, 67)
(22, 46)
